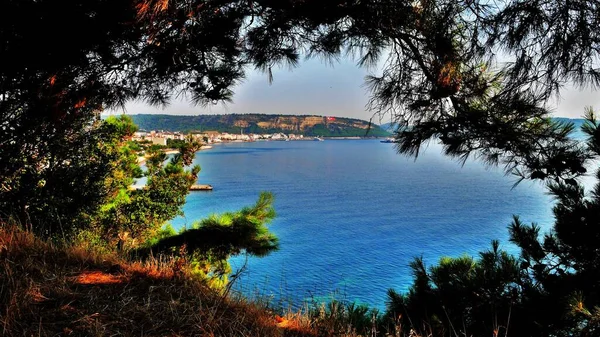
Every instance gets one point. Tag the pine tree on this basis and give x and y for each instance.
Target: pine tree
(211, 242)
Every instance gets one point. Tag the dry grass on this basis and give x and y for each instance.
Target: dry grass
(73, 291)
(50, 291)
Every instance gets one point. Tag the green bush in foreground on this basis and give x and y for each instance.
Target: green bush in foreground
(209, 243)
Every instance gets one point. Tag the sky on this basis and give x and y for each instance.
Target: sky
(316, 88)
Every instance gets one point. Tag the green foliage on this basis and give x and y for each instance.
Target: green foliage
(156, 147)
(69, 178)
(175, 143)
(132, 216)
(134, 146)
(125, 166)
(338, 318)
(210, 242)
(119, 127)
(129, 218)
(460, 295)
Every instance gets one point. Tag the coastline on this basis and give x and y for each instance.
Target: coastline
(142, 159)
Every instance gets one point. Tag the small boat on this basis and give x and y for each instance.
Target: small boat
(318, 139)
(197, 187)
(389, 140)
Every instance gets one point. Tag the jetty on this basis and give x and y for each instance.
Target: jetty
(201, 188)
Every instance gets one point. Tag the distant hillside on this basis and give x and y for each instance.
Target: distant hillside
(258, 123)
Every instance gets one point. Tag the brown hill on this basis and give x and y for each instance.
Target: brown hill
(259, 123)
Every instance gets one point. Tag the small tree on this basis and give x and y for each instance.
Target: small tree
(211, 242)
(128, 215)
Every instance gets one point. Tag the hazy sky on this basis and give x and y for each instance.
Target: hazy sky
(317, 88)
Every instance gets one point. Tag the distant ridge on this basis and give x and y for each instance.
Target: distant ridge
(308, 125)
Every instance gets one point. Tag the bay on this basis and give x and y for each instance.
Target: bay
(352, 214)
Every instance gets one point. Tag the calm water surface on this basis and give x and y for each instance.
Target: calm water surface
(351, 214)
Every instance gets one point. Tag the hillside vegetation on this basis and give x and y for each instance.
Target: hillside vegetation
(51, 291)
(259, 123)
(67, 290)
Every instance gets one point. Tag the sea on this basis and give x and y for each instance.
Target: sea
(352, 214)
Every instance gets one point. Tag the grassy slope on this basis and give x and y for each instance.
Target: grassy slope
(49, 291)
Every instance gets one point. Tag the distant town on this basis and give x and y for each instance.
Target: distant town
(211, 137)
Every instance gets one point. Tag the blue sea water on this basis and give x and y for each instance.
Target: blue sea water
(352, 214)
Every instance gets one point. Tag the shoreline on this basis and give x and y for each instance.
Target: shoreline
(142, 159)
(305, 139)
